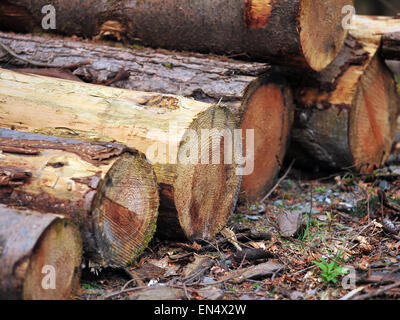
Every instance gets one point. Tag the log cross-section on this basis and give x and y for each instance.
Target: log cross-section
(258, 96)
(40, 256)
(172, 131)
(107, 189)
(347, 118)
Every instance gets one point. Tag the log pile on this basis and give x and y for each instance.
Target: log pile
(347, 115)
(197, 194)
(108, 190)
(280, 31)
(144, 137)
(267, 107)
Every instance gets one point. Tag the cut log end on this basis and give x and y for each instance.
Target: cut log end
(108, 190)
(206, 192)
(352, 126)
(372, 123)
(321, 32)
(126, 210)
(40, 256)
(59, 249)
(268, 110)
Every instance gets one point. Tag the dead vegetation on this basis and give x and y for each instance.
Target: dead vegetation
(338, 239)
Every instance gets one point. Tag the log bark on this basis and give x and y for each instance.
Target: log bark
(281, 31)
(35, 246)
(384, 31)
(267, 107)
(206, 78)
(198, 193)
(347, 118)
(108, 190)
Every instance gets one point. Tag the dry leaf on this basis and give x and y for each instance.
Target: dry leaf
(290, 222)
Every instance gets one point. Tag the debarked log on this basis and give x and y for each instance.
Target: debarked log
(383, 31)
(258, 96)
(194, 147)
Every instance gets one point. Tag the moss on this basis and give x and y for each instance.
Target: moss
(397, 79)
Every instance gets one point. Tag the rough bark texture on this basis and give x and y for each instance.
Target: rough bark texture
(283, 31)
(31, 242)
(202, 77)
(108, 190)
(201, 193)
(391, 45)
(384, 31)
(351, 122)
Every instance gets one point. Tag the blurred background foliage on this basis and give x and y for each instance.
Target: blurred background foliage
(378, 7)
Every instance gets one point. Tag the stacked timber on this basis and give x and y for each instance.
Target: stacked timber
(106, 189)
(40, 256)
(193, 146)
(200, 131)
(302, 33)
(346, 115)
(258, 96)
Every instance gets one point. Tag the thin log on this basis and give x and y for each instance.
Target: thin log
(108, 190)
(40, 256)
(282, 31)
(347, 119)
(197, 193)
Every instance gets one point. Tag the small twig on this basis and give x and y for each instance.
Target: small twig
(352, 293)
(379, 291)
(241, 263)
(117, 293)
(279, 182)
(127, 284)
(186, 292)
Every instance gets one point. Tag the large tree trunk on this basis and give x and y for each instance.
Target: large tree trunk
(40, 256)
(267, 107)
(282, 31)
(384, 31)
(197, 192)
(347, 117)
(108, 190)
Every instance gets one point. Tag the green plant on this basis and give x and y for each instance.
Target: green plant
(89, 286)
(397, 78)
(257, 285)
(330, 271)
(320, 189)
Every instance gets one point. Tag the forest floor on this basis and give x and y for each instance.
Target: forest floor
(328, 238)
